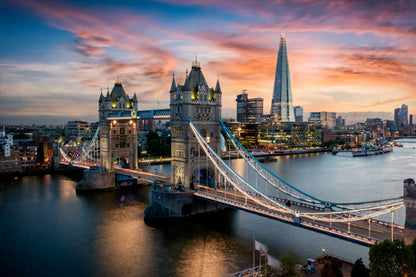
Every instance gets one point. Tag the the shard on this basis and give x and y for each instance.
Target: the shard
(282, 104)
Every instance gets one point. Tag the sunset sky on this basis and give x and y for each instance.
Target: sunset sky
(344, 56)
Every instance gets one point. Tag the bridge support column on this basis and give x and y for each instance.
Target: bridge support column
(97, 180)
(409, 199)
(171, 204)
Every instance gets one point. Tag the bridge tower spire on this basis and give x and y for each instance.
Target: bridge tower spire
(194, 100)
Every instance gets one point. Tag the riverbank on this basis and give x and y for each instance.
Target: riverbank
(271, 153)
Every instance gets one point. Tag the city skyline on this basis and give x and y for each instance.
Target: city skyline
(55, 56)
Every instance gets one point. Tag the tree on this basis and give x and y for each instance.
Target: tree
(411, 261)
(152, 146)
(359, 270)
(389, 258)
(288, 264)
(163, 150)
(152, 135)
(20, 136)
(139, 151)
(246, 144)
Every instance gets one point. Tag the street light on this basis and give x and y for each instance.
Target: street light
(323, 252)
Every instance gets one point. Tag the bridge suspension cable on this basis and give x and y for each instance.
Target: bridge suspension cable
(239, 184)
(266, 198)
(294, 193)
(86, 157)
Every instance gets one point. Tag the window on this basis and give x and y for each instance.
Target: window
(122, 131)
(114, 132)
(116, 145)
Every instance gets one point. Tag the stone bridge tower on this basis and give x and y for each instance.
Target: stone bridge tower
(202, 104)
(409, 199)
(118, 135)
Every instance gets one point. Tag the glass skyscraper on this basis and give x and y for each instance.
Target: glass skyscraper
(282, 105)
(401, 116)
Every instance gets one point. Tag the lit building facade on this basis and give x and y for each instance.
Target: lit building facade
(282, 104)
(9, 157)
(77, 129)
(249, 110)
(28, 155)
(278, 135)
(118, 135)
(401, 116)
(326, 119)
(298, 114)
(283, 135)
(197, 101)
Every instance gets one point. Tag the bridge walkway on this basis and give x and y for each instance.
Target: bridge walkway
(358, 230)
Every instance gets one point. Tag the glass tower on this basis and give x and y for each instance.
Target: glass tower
(282, 105)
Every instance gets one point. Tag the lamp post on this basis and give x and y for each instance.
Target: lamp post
(323, 252)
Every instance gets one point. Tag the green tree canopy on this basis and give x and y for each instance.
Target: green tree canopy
(359, 270)
(389, 258)
(288, 264)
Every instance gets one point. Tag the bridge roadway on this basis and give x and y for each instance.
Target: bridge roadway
(359, 230)
(77, 164)
(147, 176)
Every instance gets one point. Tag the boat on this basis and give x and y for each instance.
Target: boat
(368, 150)
(266, 159)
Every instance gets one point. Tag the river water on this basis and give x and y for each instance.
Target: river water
(46, 229)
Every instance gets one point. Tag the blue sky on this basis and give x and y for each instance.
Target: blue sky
(345, 56)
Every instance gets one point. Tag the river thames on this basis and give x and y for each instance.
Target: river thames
(49, 230)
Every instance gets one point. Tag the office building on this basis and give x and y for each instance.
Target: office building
(401, 116)
(326, 119)
(77, 129)
(298, 114)
(282, 104)
(340, 121)
(249, 110)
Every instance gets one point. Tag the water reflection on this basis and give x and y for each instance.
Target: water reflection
(63, 233)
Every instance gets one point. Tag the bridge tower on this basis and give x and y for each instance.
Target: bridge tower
(118, 135)
(202, 104)
(409, 199)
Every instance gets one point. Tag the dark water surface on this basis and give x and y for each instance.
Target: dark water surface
(46, 229)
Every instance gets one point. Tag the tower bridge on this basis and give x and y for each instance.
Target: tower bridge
(200, 181)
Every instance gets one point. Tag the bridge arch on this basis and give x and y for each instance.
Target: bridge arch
(204, 176)
(122, 162)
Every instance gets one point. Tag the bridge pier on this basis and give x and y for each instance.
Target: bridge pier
(167, 203)
(97, 180)
(409, 198)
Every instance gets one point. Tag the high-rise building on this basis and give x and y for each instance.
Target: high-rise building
(298, 114)
(401, 116)
(282, 105)
(242, 106)
(249, 110)
(326, 119)
(340, 121)
(77, 129)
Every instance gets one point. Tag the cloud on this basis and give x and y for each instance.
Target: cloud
(362, 48)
